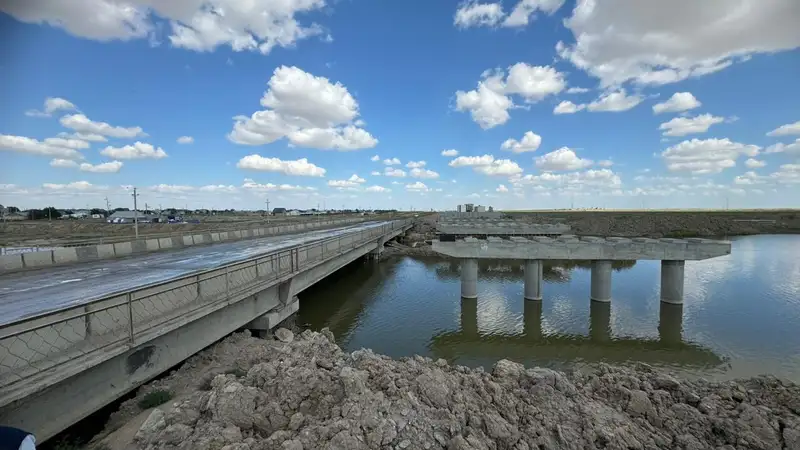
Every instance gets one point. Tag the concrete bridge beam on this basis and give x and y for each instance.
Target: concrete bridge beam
(601, 281)
(672, 281)
(469, 278)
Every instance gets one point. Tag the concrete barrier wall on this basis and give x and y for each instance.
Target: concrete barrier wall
(72, 255)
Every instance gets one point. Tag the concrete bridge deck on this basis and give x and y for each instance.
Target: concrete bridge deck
(59, 366)
(499, 228)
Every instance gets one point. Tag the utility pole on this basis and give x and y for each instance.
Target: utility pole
(135, 214)
(268, 212)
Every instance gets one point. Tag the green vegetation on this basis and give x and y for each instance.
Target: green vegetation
(155, 398)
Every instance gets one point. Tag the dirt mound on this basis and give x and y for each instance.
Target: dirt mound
(307, 394)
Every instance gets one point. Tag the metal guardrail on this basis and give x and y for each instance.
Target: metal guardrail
(62, 343)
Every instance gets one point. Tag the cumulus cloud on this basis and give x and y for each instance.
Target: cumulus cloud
(415, 164)
(300, 167)
(530, 142)
(786, 130)
(752, 163)
(488, 165)
(451, 152)
(417, 187)
(251, 185)
(82, 124)
(397, 173)
(257, 25)
(598, 179)
(185, 140)
(679, 102)
(51, 147)
(391, 161)
(138, 150)
(89, 137)
(418, 172)
(375, 158)
(681, 126)
(106, 167)
(219, 188)
(378, 189)
(656, 42)
(63, 163)
(375, 173)
(51, 105)
(501, 188)
(790, 149)
(562, 159)
(567, 107)
(706, 156)
(614, 102)
(473, 14)
(489, 103)
(308, 110)
(605, 163)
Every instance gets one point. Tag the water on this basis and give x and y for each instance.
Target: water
(740, 318)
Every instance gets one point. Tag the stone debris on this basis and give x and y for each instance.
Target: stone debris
(306, 393)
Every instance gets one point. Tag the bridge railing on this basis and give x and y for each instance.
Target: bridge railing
(61, 343)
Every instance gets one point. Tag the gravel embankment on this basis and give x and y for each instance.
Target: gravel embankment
(304, 392)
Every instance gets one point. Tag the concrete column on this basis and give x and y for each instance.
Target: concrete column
(670, 323)
(533, 279)
(469, 316)
(469, 278)
(532, 320)
(600, 321)
(601, 281)
(672, 281)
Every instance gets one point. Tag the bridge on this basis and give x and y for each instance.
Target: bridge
(76, 337)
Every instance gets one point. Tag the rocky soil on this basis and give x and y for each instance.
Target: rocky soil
(304, 392)
(670, 223)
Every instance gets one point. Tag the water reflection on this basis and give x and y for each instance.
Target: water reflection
(739, 318)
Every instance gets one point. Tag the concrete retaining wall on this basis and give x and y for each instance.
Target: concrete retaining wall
(72, 255)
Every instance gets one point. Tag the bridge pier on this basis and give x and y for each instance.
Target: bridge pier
(532, 319)
(533, 279)
(670, 323)
(601, 281)
(469, 278)
(672, 281)
(600, 321)
(469, 316)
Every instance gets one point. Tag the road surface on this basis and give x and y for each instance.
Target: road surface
(30, 293)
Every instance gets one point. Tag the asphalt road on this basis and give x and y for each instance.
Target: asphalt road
(29, 293)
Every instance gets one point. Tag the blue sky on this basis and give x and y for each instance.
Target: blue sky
(542, 103)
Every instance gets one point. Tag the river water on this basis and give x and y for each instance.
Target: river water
(740, 318)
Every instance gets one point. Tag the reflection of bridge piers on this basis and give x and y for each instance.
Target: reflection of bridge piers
(602, 252)
(598, 345)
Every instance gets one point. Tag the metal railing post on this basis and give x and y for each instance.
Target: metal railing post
(129, 298)
(197, 280)
(227, 284)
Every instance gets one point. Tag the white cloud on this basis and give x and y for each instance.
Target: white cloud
(185, 140)
(489, 103)
(472, 161)
(417, 172)
(51, 105)
(706, 156)
(681, 126)
(598, 179)
(75, 144)
(397, 173)
(375, 158)
(375, 173)
(391, 161)
(415, 164)
(83, 124)
(256, 25)
(567, 107)
(170, 189)
(577, 90)
(562, 159)
(605, 163)
(356, 179)
(450, 152)
(378, 189)
(138, 150)
(308, 110)
(300, 167)
(63, 163)
(614, 102)
(417, 187)
(22, 144)
(250, 185)
(501, 188)
(788, 174)
(656, 42)
(472, 14)
(529, 143)
(680, 101)
(791, 149)
(487, 165)
(75, 186)
(786, 130)
(342, 184)
(754, 163)
(107, 167)
(83, 137)
(219, 188)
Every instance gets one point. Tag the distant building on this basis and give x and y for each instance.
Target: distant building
(293, 212)
(479, 208)
(458, 208)
(278, 211)
(491, 209)
(469, 207)
(128, 216)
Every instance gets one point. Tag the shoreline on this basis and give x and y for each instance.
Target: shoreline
(303, 392)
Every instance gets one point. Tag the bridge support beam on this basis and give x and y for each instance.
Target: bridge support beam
(469, 278)
(672, 281)
(601, 281)
(533, 279)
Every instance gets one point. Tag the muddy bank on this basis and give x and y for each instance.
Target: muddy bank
(670, 223)
(304, 392)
